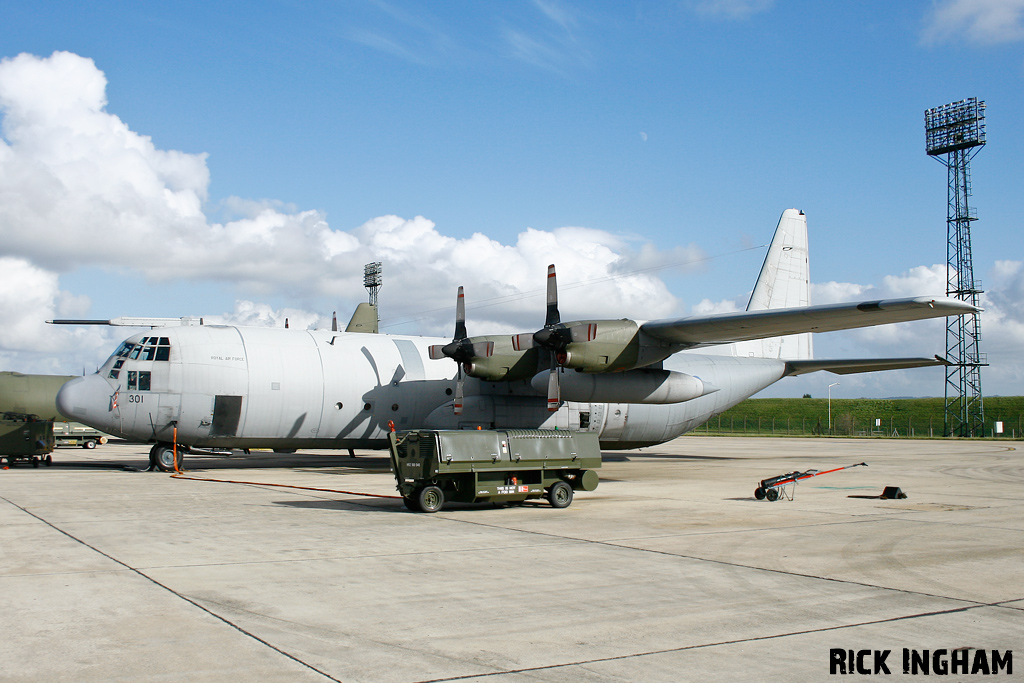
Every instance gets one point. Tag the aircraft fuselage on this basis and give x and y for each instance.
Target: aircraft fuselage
(247, 387)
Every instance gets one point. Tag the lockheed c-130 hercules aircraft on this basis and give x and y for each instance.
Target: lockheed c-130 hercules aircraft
(222, 386)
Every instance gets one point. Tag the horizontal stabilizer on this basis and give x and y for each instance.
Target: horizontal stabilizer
(854, 365)
(723, 328)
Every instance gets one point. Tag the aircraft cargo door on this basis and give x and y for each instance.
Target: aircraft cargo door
(227, 410)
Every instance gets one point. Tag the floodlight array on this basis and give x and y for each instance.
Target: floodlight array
(954, 126)
(373, 279)
(372, 274)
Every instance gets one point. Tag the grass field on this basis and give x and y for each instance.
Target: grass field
(915, 417)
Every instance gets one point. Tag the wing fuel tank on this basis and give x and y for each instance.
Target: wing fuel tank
(634, 386)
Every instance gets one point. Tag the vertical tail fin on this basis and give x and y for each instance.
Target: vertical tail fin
(784, 282)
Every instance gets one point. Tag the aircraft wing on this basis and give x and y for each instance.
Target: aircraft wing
(851, 366)
(723, 328)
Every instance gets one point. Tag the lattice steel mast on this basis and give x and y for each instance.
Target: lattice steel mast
(954, 134)
(373, 280)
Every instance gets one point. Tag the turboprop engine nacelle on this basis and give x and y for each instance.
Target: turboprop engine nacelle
(502, 363)
(634, 386)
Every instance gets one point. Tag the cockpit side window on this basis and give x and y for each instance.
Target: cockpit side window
(144, 380)
(135, 352)
(116, 370)
(163, 350)
(133, 379)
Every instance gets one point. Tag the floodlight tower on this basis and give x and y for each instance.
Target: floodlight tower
(954, 134)
(373, 280)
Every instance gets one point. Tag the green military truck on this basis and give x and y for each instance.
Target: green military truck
(502, 466)
(26, 438)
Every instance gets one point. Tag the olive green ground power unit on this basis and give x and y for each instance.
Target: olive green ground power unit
(499, 466)
(24, 438)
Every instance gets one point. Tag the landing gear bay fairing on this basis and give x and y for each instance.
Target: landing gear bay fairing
(222, 387)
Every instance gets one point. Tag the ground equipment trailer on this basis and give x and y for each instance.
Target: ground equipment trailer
(26, 438)
(499, 466)
(77, 434)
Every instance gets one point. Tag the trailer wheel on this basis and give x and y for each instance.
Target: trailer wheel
(560, 495)
(759, 493)
(411, 504)
(35, 461)
(772, 494)
(48, 460)
(430, 499)
(89, 445)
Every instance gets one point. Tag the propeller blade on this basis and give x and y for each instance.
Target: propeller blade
(334, 322)
(552, 317)
(521, 342)
(460, 317)
(554, 391)
(437, 351)
(584, 333)
(482, 349)
(459, 393)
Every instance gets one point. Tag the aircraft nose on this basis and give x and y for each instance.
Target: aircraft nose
(85, 400)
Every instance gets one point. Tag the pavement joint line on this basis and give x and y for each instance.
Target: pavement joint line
(713, 561)
(175, 593)
(735, 564)
(355, 557)
(738, 641)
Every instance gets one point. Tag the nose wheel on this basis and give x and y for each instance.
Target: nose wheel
(162, 457)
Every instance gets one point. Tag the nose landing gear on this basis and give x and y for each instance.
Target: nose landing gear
(164, 457)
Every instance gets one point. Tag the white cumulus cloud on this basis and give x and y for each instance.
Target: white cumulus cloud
(77, 185)
(982, 22)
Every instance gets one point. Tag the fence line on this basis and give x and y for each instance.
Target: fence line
(847, 425)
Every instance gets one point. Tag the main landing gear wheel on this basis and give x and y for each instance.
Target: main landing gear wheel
(161, 457)
(430, 499)
(772, 494)
(759, 493)
(560, 495)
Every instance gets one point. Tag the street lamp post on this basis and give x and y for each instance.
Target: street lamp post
(834, 384)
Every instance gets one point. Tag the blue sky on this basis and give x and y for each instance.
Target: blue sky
(242, 161)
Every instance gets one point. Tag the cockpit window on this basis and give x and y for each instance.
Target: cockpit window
(140, 380)
(150, 348)
(124, 349)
